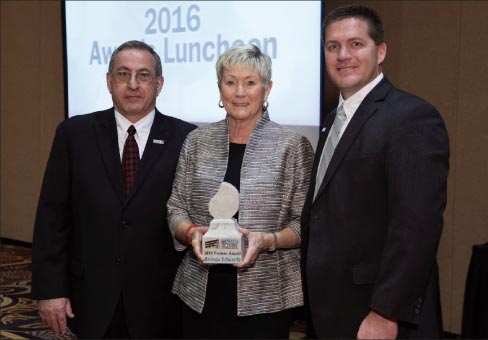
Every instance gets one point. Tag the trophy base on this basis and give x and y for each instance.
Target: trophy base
(222, 243)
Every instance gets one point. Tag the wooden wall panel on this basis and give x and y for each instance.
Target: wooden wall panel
(471, 147)
(32, 103)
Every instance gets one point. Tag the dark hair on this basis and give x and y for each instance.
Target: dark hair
(137, 45)
(361, 12)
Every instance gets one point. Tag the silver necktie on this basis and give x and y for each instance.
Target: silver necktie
(329, 147)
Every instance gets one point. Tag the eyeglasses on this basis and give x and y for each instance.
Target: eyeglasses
(124, 77)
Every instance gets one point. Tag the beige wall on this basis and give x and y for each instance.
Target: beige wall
(436, 49)
(32, 104)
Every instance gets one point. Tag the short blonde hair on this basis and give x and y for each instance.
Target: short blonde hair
(248, 55)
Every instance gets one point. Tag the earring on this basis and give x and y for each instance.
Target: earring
(220, 104)
(265, 106)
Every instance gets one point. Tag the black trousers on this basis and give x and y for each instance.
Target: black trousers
(118, 326)
(219, 318)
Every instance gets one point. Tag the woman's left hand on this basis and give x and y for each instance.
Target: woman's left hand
(256, 243)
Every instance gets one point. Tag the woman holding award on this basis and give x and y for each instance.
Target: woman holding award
(270, 167)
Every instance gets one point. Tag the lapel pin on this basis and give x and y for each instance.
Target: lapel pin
(323, 129)
(158, 141)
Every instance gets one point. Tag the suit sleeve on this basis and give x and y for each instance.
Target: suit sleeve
(53, 224)
(179, 202)
(417, 162)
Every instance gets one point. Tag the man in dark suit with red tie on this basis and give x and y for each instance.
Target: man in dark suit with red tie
(103, 257)
(373, 217)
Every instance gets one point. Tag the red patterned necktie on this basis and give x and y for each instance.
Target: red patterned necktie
(130, 159)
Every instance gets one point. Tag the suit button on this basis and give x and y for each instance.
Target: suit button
(117, 261)
(417, 310)
(125, 225)
(315, 218)
(420, 300)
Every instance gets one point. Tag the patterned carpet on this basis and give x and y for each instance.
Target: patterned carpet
(19, 318)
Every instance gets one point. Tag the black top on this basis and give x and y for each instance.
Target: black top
(233, 174)
(219, 318)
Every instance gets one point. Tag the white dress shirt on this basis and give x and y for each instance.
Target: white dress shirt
(143, 127)
(352, 103)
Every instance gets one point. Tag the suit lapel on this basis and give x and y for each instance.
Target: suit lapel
(371, 103)
(106, 134)
(159, 136)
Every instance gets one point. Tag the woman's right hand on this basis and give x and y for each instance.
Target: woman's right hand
(196, 234)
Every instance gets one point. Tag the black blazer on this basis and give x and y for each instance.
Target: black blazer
(370, 237)
(93, 242)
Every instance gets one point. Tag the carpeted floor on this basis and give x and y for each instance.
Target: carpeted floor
(19, 318)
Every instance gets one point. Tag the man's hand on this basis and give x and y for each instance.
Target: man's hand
(54, 311)
(374, 326)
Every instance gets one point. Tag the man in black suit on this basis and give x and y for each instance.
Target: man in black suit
(103, 257)
(374, 214)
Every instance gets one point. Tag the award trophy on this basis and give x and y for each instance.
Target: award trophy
(223, 243)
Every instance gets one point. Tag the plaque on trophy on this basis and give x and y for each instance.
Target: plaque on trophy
(223, 242)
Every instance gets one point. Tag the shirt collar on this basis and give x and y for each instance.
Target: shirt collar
(352, 103)
(143, 125)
